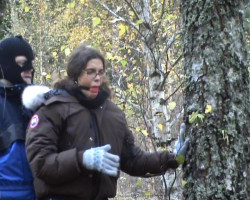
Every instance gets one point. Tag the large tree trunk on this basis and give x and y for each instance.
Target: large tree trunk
(216, 78)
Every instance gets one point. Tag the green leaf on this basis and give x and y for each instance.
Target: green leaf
(180, 159)
(96, 21)
(124, 63)
(184, 183)
(63, 47)
(200, 116)
(71, 5)
(147, 194)
(192, 117)
(140, 21)
(139, 182)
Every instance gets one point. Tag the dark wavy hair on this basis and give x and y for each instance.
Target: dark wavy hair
(77, 62)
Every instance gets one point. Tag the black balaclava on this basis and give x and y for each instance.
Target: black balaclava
(9, 49)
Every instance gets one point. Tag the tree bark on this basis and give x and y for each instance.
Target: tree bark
(216, 100)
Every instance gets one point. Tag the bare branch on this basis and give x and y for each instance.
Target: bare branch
(168, 45)
(119, 18)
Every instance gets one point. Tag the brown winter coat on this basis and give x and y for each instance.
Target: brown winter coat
(59, 134)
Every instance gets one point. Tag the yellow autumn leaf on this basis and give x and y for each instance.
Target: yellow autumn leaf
(160, 126)
(171, 105)
(122, 29)
(27, 9)
(54, 54)
(48, 76)
(131, 85)
(208, 109)
(145, 132)
(138, 128)
(184, 183)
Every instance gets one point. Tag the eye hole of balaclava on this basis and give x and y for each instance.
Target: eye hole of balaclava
(11, 50)
(21, 61)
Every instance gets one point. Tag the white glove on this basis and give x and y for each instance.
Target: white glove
(100, 159)
(181, 145)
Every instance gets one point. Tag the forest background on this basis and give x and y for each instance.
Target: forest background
(144, 43)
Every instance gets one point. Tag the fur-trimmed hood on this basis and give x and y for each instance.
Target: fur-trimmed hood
(34, 96)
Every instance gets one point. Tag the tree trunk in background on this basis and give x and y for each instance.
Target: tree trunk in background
(217, 88)
(159, 123)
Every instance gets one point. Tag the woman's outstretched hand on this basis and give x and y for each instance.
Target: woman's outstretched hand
(181, 145)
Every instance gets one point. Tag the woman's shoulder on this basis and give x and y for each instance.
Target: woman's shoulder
(111, 106)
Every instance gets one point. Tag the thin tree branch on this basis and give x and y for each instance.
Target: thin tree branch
(119, 18)
(165, 100)
(168, 45)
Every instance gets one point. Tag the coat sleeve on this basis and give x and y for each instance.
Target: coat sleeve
(46, 162)
(136, 162)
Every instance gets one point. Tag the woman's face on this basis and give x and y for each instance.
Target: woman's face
(92, 77)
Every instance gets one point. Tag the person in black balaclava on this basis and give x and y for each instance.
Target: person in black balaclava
(10, 50)
(16, 72)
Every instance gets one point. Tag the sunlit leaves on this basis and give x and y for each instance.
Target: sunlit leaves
(63, 47)
(27, 9)
(71, 5)
(122, 29)
(96, 21)
(194, 116)
(83, 1)
(124, 63)
(67, 51)
(147, 194)
(140, 21)
(145, 132)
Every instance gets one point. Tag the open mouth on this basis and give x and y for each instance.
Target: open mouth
(94, 90)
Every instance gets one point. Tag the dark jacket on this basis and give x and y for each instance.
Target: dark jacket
(16, 180)
(63, 129)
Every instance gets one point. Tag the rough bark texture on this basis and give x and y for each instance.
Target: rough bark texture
(217, 76)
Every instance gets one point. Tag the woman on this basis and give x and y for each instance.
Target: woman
(79, 140)
(16, 72)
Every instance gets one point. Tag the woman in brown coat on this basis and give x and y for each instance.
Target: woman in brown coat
(79, 140)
